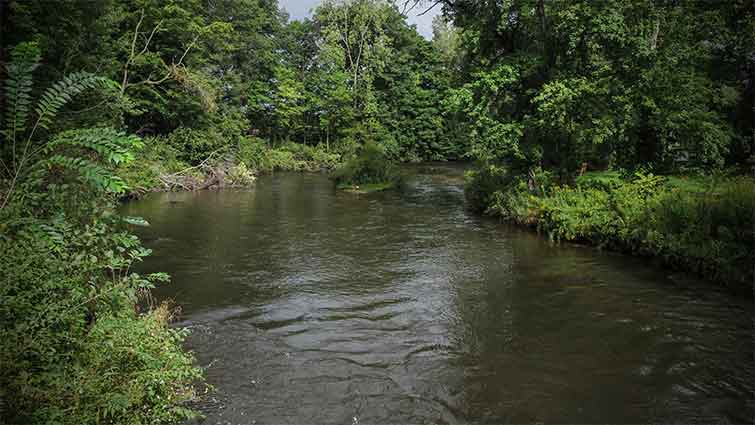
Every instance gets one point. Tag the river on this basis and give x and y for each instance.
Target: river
(308, 305)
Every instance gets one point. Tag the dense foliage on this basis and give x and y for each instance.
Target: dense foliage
(623, 123)
(205, 80)
(702, 224)
(75, 347)
(616, 83)
(370, 170)
(560, 91)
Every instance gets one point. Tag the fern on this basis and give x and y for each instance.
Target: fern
(73, 149)
(89, 153)
(114, 147)
(88, 171)
(18, 85)
(62, 92)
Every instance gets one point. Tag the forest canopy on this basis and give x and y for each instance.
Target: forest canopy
(527, 82)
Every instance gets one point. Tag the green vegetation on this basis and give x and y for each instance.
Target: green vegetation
(171, 95)
(614, 84)
(370, 171)
(561, 95)
(703, 225)
(583, 118)
(76, 349)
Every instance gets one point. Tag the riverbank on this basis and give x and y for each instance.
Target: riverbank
(163, 167)
(701, 224)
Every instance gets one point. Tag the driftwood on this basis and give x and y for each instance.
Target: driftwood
(214, 173)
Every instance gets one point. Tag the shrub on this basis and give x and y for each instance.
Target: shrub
(703, 224)
(371, 166)
(312, 158)
(483, 183)
(193, 146)
(156, 159)
(74, 347)
(258, 156)
(253, 152)
(600, 180)
(239, 175)
(711, 232)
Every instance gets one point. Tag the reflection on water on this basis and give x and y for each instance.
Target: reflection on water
(312, 306)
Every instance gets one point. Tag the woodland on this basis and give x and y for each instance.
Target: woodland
(624, 124)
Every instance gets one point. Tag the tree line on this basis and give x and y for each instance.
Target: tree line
(556, 83)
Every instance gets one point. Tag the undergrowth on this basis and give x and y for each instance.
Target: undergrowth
(371, 166)
(699, 224)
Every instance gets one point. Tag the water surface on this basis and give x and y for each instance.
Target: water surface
(311, 306)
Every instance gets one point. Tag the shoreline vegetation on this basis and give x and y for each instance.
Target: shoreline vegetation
(114, 98)
(239, 166)
(369, 171)
(76, 345)
(702, 225)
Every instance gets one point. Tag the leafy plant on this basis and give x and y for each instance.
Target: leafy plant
(32, 157)
(371, 166)
(75, 346)
(704, 227)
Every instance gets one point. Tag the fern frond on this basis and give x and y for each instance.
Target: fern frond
(89, 172)
(24, 60)
(62, 92)
(88, 153)
(113, 147)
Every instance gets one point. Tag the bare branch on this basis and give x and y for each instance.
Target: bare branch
(430, 8)
(124, 81)
(149, 39)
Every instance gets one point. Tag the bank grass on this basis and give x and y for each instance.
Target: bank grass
(702, 224)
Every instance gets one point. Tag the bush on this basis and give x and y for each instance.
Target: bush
(485, 188)
(606, 180)
(239, 175)
(711, 232)
(156, 159)
(193, 146)
(74, 348)
(703, 224)
(371, 166)
(482, 185)
(312, 158)
(258, 156)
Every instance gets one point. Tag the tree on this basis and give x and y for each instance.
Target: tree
(641, 74)
(355, 27)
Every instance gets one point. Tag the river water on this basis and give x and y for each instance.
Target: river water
(308, 305)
